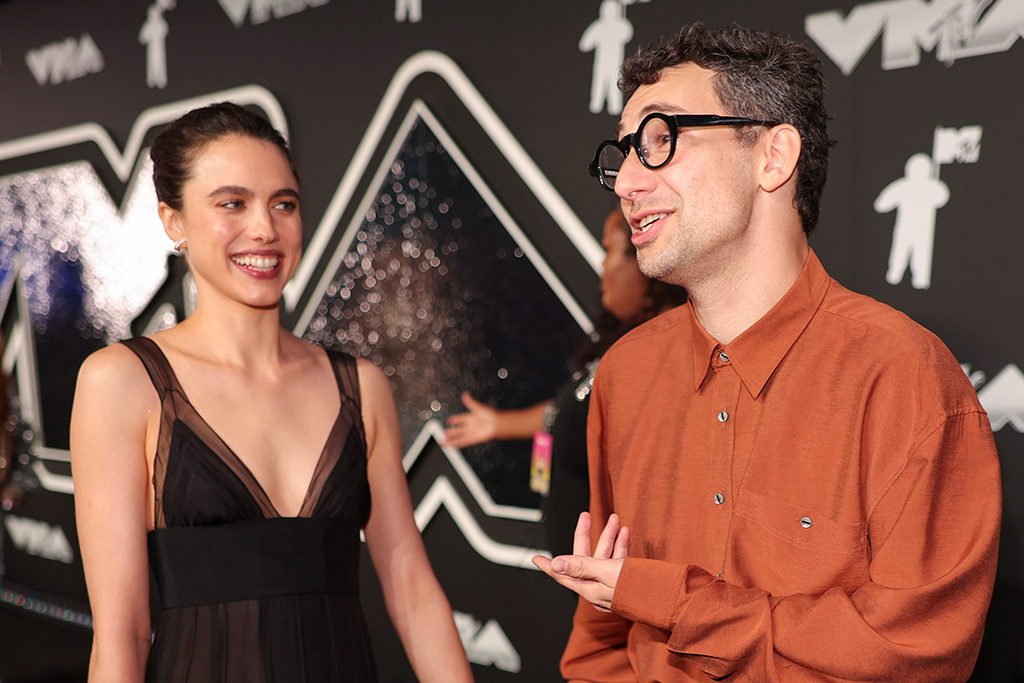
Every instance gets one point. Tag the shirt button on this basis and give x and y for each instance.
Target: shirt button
(723, 356)
(806, 522)
(719, 499)
(723, 416)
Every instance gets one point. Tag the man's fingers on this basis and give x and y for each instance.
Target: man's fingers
(556, 568)
(566, 567)
(606, 544)
(581, 539)
(613, 543)
(594, 580)
(621, 544)
(575, 567)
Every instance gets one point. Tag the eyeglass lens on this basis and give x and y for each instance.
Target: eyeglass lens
(655, 142)
(609, 162)
(655, 148)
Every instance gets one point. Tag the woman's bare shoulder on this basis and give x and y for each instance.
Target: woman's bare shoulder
(114, 404)
(114, 371)
(373, 383)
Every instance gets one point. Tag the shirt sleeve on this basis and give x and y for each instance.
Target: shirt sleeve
(596, 651)
(933, 533)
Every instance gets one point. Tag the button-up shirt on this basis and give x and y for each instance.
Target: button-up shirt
(817, 500)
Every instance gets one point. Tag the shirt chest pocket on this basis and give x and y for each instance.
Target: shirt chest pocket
(789, 549)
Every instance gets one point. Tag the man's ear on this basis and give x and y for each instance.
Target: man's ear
(171, 218)
(781, 146)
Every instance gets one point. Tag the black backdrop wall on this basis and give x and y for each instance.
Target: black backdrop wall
(450, 230)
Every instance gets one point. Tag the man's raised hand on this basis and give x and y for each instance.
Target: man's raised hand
(592, 575)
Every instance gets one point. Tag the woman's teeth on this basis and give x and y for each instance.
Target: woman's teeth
(648, 220)
(256, 262)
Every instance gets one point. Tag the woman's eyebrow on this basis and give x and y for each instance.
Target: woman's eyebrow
(231, 189)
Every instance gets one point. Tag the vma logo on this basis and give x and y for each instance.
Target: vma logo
(39, 538)
(261, 11)
(486, 644)
(954, 29)
(65, 60)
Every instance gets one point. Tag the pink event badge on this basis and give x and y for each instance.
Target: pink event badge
(540, 463)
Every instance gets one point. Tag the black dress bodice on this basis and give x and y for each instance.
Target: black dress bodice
(248, 595)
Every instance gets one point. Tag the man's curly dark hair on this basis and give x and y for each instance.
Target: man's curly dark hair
(760, 76)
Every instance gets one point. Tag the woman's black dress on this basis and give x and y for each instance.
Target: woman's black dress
(247, 594)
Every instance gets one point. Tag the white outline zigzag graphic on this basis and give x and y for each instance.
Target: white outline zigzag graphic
(430, 61)
(20, 358)
(419, 110)
(441, 492)
(123, 163)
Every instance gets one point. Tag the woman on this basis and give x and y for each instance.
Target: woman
(252, 464)
(628, 298)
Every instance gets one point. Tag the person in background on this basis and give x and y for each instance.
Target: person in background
(628, 298)
(243, 481)
(795, 482)
(7, 497)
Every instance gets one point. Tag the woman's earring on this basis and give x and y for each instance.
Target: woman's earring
(179, 244)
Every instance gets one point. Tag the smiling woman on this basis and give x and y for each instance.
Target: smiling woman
(243, 481)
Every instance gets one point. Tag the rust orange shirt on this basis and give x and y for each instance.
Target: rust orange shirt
(818, 500)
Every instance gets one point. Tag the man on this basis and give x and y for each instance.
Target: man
(803, 477)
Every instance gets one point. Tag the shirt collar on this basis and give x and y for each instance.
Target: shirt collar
(757, 352)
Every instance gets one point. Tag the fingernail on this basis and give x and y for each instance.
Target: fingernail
(558, 565)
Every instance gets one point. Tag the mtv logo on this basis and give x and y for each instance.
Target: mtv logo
(962, 145)
(487, 645)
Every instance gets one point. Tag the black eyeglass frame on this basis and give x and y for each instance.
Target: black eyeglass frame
(674, 122)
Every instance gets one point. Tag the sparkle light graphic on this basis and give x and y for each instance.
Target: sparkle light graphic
(436, 292)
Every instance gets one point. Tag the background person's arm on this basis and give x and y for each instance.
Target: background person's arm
(485, 423)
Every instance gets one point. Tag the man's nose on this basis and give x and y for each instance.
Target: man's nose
(633, 177)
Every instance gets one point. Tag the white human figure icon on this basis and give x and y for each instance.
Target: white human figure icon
(916, 197)
(153, 35)
(607, 38)
(408, 9)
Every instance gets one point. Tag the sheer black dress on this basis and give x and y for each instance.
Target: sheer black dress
(249, 595)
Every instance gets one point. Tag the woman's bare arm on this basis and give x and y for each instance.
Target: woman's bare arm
(418, 607)
(114, 413)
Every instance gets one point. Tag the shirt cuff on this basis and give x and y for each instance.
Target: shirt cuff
(648, 591)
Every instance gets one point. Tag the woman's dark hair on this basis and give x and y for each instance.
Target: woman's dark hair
(660, 297)
(757, 75)
(176, 149)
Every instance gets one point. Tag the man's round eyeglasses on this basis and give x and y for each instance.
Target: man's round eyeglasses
(654, 142)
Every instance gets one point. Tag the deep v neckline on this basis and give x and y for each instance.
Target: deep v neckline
(240, 464)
